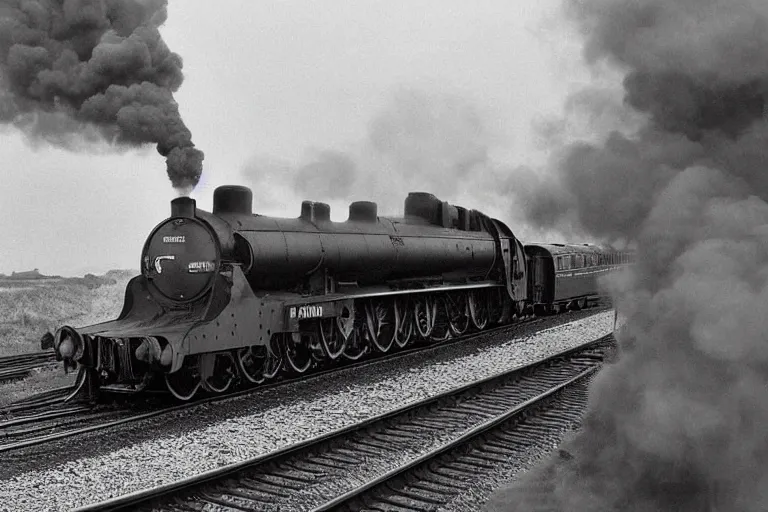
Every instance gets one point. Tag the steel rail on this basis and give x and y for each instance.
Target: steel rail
(471, 434)
(141, 497)
(19, 366)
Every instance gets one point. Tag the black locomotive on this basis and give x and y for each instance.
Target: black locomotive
(231, 295)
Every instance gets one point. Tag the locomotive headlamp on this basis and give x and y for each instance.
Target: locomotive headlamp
(67, 348)
(149, 350)
(68, 344)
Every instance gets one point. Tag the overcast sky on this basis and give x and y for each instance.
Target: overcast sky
(269, 86)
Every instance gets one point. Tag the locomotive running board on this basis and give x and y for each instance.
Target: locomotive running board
(365, 293)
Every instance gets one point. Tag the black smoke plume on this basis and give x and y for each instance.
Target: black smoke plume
(677, 422)
(86, 70)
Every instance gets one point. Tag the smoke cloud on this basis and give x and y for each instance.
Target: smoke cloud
(74, 72)
(329, 174)
(430, 138)
(419, 141)
(676, 423)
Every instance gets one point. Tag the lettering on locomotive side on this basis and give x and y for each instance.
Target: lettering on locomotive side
(174, 239)
(201, 267)
(397, 241)
(303, 312)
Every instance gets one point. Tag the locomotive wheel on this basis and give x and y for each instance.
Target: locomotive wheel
(184, 383)
(424, 313)
(298, 353)
(217, 371)
(441, 329)
(404, 322)
(274, 358)
(479, 309)
(332, 341)
(585, 303)
(357, 343)
(457, 310)
(381, 324)
(251, 362)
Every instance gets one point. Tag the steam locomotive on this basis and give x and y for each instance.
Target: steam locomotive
(230, 296)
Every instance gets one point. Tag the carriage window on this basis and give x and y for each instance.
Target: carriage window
(559, 263)
(594, 260)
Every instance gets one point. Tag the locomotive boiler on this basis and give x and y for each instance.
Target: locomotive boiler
(229, 295)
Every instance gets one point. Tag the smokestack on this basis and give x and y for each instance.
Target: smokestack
(183, 207)
(74, 68)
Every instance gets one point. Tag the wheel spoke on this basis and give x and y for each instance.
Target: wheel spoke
(274, 358)
(424, 316)
(478, 309)
(332, 341)
(381, 325)
(403, 322)
(458, 313)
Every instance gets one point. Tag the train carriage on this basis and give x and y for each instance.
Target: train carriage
(566, 275)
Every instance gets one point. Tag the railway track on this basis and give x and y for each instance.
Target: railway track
(19, 366)
(48, 422)
(406, 459)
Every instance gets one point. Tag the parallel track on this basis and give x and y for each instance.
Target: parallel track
(19, 366)
(48, 431)
(439, 475)
(346, 467)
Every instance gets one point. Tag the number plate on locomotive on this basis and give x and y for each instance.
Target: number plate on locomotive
(200, 267)
(303, 312)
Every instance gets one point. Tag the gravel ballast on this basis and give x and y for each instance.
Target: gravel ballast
(166, 458)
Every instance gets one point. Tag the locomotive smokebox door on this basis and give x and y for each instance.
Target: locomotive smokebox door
(181, 259)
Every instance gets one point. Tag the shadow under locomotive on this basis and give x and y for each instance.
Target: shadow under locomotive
(233, 296)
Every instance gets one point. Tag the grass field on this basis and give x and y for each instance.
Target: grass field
(31, 307)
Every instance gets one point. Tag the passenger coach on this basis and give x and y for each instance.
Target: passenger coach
(565, 275)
